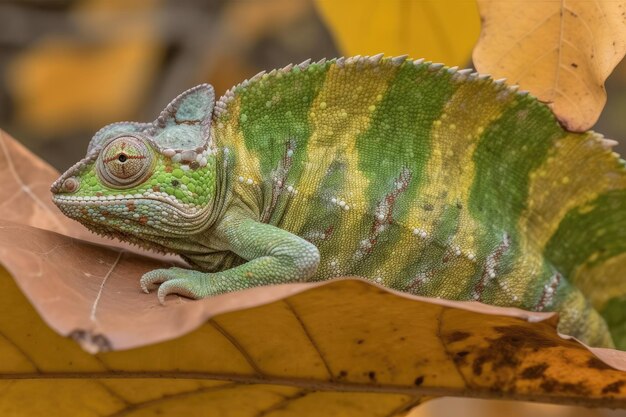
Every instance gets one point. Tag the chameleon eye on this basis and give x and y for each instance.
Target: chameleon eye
(70, 185)
(124, 162)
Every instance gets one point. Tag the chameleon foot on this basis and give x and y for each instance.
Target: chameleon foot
(189, 283)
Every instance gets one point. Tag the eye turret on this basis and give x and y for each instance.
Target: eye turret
(125, 162)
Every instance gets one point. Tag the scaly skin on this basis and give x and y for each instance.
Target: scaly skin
(421, 178)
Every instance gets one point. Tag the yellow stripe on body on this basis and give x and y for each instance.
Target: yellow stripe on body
(602, 275)
(449, 177)
(247, 173)
(340, 114)
(556, 187)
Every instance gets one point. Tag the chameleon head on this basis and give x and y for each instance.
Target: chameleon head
(147, 183)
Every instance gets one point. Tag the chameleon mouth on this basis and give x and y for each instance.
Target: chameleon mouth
(108, 213)
(185, 210)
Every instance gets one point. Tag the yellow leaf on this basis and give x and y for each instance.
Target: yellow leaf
(306, 353)
(561, 51)
(437, 30)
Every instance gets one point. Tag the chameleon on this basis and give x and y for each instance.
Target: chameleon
(419, 177)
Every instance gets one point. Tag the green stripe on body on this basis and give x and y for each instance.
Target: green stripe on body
(276, 109)
(510, 149)
(399, 138)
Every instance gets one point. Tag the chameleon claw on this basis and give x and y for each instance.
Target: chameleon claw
(152, 279)
(175, 286)
(188, 283)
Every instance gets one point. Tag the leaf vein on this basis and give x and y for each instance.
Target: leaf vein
(308, 335)
(238, 346)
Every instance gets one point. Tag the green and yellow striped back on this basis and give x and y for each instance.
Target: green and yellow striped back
(436, 182)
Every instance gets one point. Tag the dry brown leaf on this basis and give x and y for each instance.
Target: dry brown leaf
(288, 347)
(561, 51)
(25, 192)
(346, 347)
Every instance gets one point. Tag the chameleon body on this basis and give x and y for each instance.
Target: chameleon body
(419, 177)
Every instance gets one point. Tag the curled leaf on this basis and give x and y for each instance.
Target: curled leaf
(347, 342)
(25, 191)
(561, 51)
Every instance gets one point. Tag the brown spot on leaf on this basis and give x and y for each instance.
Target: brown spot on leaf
(613, 387)
(554, 386)
(506, 350)
(596, 363)
(523, 337)
(419, 380)
(457, 336)
(477, 365)
(535, 371)
(372, 376)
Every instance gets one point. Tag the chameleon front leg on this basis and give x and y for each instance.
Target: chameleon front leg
(274, 256)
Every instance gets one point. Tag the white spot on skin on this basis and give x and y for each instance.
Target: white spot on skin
(240, 179)
(249, 181)
(290, 153)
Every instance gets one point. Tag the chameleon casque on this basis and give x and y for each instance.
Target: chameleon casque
(419, 177)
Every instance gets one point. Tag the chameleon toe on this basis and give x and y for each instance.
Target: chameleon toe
(189, 285)
(152, 279)
(180, 286)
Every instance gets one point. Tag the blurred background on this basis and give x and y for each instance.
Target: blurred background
(67, 67)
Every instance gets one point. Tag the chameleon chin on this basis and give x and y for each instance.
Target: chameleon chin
(419, 177)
